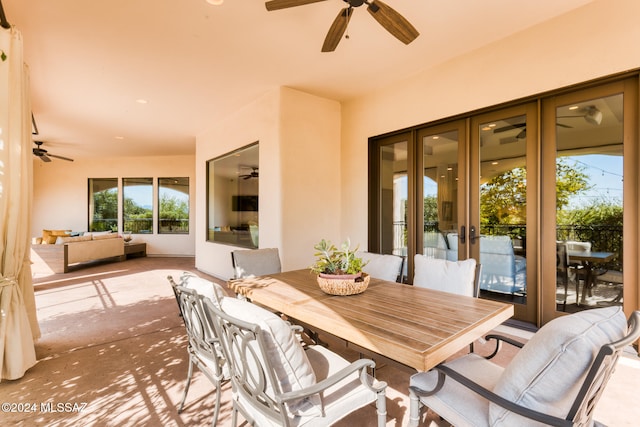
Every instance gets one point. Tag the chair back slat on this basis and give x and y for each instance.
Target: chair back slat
(252, 376)
(200, 334)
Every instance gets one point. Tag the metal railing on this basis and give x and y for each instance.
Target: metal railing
(606, 238)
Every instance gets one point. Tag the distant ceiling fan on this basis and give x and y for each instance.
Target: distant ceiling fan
(253, 174)
(523, 129)
(44, 155)
(391, 20)
(591, 115)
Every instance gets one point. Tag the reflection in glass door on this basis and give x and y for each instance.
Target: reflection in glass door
(439, 199)
(589, 200)
(588, 190)
(504, 146)
(393, 184)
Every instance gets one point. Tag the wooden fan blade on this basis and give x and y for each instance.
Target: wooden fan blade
(284, 4)
(337, 30)
(44, 158)
(60, 157)
(393, 22)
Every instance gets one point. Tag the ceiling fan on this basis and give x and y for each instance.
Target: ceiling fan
(523, 129)
(391, 20)
(591, 115)
(253, 174)
(44, 155)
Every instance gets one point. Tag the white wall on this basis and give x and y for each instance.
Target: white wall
(299, 137)
(597, 40)
(60, 194)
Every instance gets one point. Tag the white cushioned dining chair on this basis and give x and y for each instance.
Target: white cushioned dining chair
(457, 277)
(555, 379)
(382, 266)
(203, 346)
(255, 262)
(277, 382)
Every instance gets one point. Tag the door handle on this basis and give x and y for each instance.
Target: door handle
(472, 235)
(463, 234)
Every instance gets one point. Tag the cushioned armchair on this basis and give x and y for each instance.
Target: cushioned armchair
(278, 383)
(502, 270)
(555, 379)
(203, 346)
(255, 262)
(435, 246)
(382, 266)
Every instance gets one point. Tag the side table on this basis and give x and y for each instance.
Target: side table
(132, 250)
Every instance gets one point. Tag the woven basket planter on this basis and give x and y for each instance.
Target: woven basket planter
(343, 285)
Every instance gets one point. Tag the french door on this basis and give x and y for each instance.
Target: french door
(589, 221)
(523, 190)
(503, 208)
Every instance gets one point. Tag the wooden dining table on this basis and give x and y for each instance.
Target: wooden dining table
(413, 326)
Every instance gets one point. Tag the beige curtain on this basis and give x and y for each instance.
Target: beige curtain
(18, 322)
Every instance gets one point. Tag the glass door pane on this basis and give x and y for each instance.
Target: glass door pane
(438, 203)
(589, 203)
(503, 207)
(394, 198)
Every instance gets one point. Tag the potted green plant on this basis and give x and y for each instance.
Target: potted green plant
(339, 270)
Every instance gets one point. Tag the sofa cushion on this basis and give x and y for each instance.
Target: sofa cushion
(97, 236)
(60, 240)
(289, 360)
(548, 371)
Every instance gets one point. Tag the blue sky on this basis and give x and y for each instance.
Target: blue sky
(604, 175)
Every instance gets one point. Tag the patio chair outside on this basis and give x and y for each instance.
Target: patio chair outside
(562, 272)
(555, 379)
(276, 382)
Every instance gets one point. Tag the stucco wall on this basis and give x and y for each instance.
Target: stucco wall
(299, 136)
(60, 195)
(597, 40)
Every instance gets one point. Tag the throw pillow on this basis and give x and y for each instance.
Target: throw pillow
(49, 237)
(548, 371)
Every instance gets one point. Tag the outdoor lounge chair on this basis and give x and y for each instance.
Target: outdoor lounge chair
(555, 379)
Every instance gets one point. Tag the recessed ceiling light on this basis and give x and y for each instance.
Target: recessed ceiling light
(215, 2)
(492, 125)
(573, 107)
(494, 163)
(141, 101)
(486, 128)
(119, 137)
(436, 137)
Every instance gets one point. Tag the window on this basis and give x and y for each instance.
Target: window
(103, 204)
(232, 198)
(137, 211)
(173, 205)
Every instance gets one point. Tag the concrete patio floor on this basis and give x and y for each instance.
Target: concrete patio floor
(113, 349)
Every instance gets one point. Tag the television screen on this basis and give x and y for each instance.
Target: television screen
(244, 203)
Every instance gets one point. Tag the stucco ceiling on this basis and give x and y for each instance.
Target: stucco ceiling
(195, 63)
